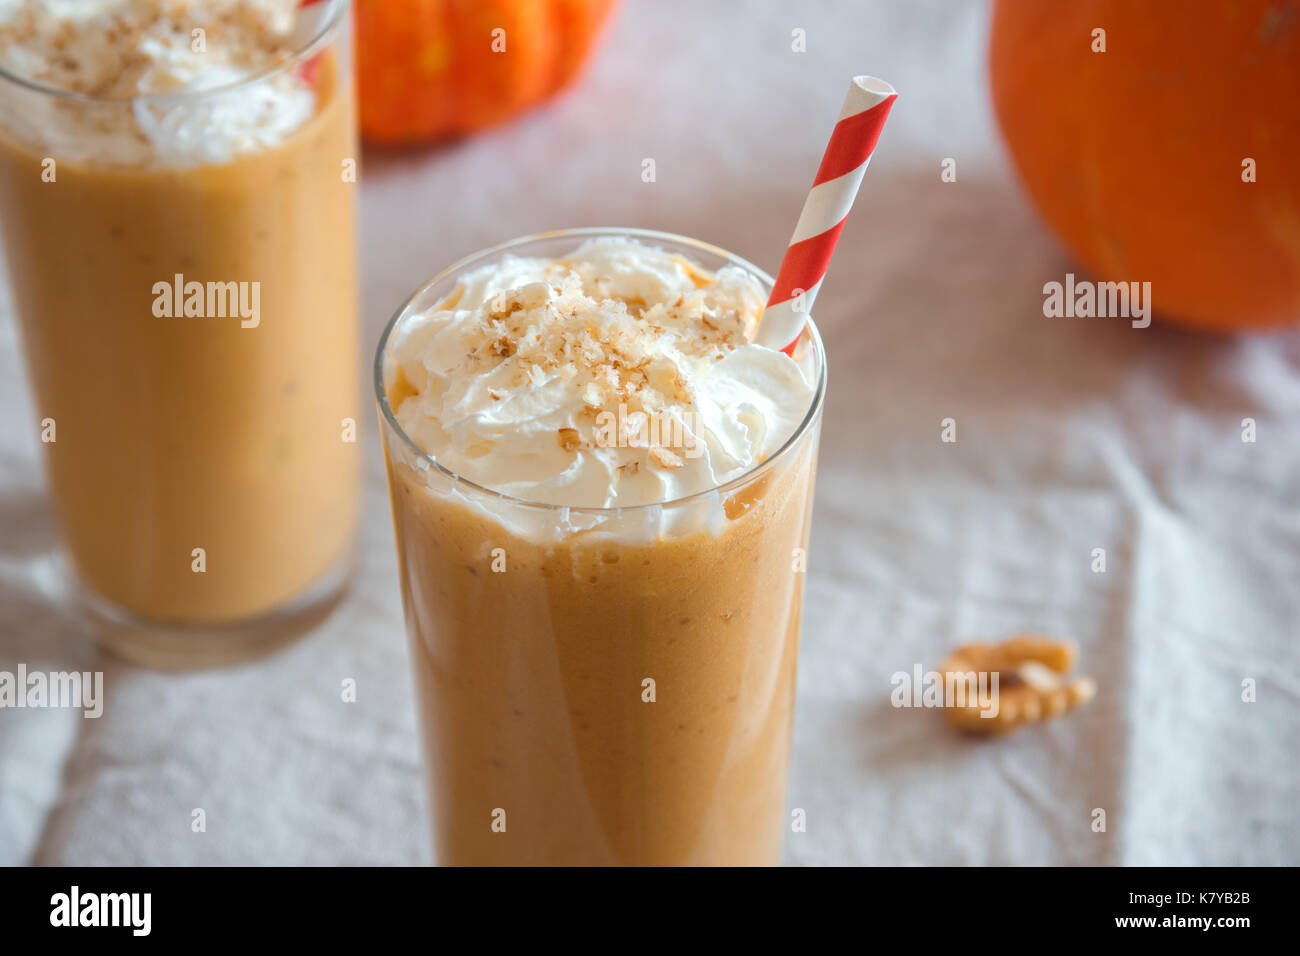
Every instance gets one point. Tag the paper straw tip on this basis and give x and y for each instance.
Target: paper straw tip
(874, 85)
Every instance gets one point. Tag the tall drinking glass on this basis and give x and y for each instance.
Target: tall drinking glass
(187, 301)
(603, 686)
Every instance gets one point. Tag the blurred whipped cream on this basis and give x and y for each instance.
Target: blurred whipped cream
(118, 50)
(517, 379)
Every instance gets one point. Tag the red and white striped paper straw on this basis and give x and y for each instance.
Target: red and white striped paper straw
(852, 142)
(309, 19)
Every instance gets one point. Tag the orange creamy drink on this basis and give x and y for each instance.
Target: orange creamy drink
(601, 492)
(178, 222)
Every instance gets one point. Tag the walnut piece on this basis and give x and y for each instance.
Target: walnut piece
(664, 458)
(1032, 683)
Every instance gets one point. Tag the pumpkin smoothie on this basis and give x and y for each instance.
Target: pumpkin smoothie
(601, 493)
(180, 246)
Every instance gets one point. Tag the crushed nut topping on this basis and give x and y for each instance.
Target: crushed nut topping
(614, 375)
(145, 46)
(568, 326)
(665, 458)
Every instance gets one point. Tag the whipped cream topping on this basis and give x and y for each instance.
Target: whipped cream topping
(124, 49)
(617, 376)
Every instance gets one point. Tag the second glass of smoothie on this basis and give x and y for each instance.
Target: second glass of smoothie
(183, 265)
(607, 684)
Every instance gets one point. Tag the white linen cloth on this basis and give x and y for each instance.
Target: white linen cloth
(1072, 434)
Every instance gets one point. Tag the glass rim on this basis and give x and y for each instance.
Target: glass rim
(309, 49)
(389, 419)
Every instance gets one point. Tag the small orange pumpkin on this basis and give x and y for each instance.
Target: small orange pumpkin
(1136, 156)
(428, 69)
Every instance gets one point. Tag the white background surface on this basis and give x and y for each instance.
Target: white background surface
(1073, 434)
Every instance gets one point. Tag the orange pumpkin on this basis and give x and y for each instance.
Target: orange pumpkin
(1136, 156)
(433, 68)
